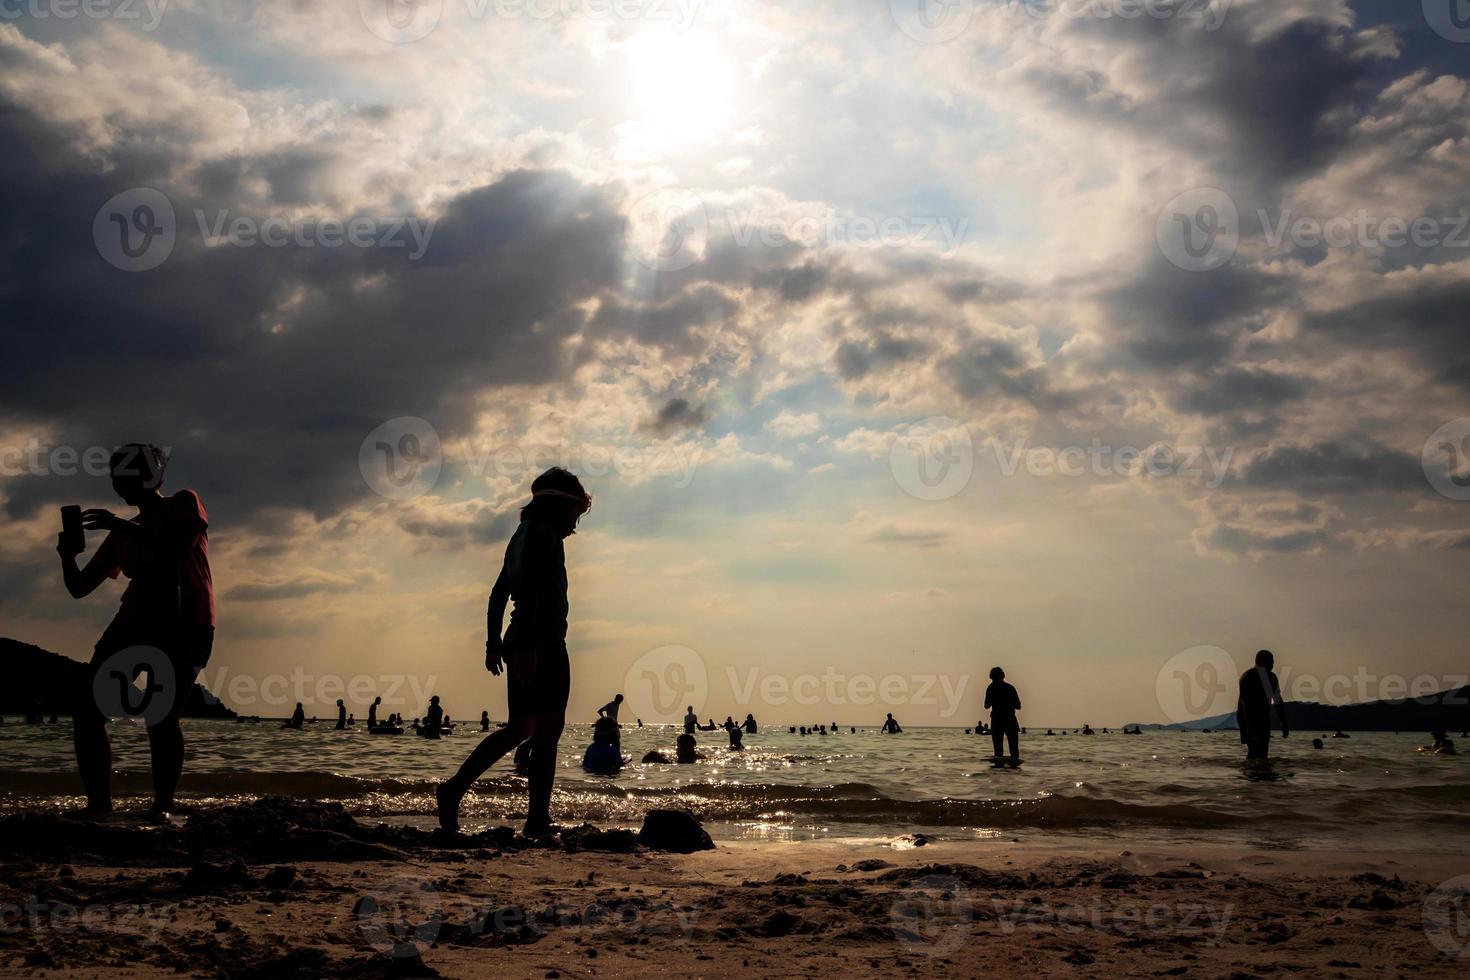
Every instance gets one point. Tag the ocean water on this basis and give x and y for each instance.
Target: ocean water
(1370, 790)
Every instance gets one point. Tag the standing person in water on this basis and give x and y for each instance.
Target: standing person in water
(167, 607)
(1003, 700)
(533, 651)
(1259, 692)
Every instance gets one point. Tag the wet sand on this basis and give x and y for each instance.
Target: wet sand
(277, 889)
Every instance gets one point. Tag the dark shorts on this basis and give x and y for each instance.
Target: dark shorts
(546, 692)
(136, 648)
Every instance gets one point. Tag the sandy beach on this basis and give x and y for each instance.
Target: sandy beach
(285, 889)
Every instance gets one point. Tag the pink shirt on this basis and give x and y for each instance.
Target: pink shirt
(151, 590)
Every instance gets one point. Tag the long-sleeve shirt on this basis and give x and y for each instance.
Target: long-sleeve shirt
(534, 577)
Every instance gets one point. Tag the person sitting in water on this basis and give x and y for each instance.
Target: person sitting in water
(484, 721)
(737, 734)
(298, 717)
(610, 710)
(341, 715)
(351, 721)
(891, 727)
(655, 757)
(750, 726)
(1317, 743)
(691, 720)
(1003, 701)
(1087, 729)
(1341, 734)
(603, 755)
(685, 749)
(1443, 744)
(1260, 691)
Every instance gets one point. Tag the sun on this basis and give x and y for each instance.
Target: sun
(682, 89)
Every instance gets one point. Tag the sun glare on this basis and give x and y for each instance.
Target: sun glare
(682, 89)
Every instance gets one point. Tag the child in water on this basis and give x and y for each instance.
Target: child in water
(533, 651)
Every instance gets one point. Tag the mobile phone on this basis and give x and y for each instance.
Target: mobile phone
(71, 528)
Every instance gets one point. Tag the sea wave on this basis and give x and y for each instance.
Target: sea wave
(844, 802)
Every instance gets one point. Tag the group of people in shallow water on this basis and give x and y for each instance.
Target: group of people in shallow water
(168, 608)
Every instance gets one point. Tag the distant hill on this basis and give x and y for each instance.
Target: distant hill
(1449, 710)
(34, 676)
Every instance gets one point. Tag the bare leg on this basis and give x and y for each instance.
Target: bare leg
(490, 750)
(1013, 736)
(997, 740)
(94, 753)
(544, 740)
(166, 746)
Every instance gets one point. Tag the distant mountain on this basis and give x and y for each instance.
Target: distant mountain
(33, 678)
(1449, 710)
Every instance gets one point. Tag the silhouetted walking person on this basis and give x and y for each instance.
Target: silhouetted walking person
(1003, 701)
(167, 607)
(533, 650)
(341, 715)
(1259, 692)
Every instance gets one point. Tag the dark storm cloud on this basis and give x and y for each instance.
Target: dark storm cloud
(1239, 540)
(795, 285)
(266, 367)
(988, 369)
(1240, 389)
(1170, 319)
(1339, 467)
(676, 416)
(1431, 320)
(1263, 103)
(858, 359)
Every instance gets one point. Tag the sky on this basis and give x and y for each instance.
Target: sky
(1106, 341)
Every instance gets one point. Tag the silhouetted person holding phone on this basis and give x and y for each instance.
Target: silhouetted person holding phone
(533, 651)
(1260, 691)
(1003, 701)
(168, 607)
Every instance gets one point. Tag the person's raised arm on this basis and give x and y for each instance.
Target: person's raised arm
(82, 582)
